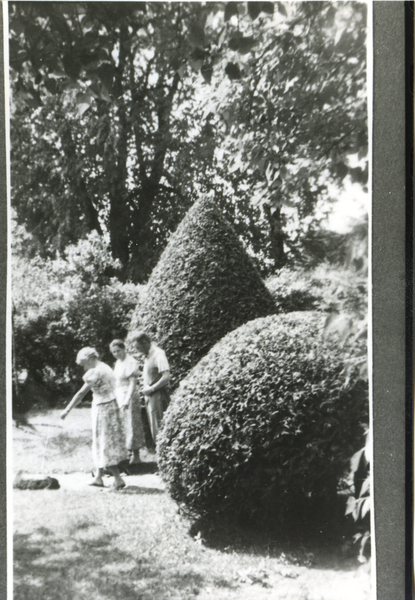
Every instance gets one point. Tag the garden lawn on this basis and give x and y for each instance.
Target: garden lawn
(83, 543)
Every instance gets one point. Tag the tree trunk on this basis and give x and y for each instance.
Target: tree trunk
(142, 251)
(277, 237)
(142, 248)
(119, 224)
(119, 214)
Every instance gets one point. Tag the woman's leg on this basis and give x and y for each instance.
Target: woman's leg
(96, 434)
(98, 477)
(118, 480)
(135, 457)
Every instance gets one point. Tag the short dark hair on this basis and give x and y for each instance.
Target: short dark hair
(118, 344)
(139, 337)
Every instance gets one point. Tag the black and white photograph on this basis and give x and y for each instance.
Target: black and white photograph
(190, 374)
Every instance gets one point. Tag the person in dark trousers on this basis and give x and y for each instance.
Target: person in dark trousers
(156, 379)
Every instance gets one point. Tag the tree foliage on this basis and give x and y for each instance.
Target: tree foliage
(96, 130)
(61, 305)
(125, 112)
(293, 108)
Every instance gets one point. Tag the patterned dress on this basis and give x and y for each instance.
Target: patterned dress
(108, 441)
(124, 371)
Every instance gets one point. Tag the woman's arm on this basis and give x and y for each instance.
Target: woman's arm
(160, 383)
(76, 400)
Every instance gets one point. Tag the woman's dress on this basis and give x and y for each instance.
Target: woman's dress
(124, 370)
(108, 439)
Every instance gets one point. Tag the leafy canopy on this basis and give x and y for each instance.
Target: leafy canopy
(124, 113)
(293, 117)
(96, 128)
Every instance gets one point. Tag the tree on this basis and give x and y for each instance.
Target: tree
(289, 103)
(126, 112)
(96, 127)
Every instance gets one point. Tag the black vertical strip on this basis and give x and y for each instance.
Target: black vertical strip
(409, 256)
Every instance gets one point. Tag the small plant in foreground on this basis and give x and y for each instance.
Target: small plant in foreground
(358, 504)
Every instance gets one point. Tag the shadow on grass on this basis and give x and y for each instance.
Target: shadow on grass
(88, 567)
(143, 468)
(141, 491)
(66, 444)
(328, 545)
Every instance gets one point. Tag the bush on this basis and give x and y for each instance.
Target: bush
(61, 305)
(358, 503)
(46, 344)
(204, 286)
(262, 429)
(325, 288)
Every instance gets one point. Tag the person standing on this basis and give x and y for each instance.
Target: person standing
(156, 379)
(126, 371)
(108, 441)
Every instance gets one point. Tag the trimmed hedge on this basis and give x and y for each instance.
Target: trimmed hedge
(204, 286)
(262, 429)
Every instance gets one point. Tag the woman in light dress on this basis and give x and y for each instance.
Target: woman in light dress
(126, 371)
(108, 441)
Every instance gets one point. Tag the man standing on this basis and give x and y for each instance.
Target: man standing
(156, 378)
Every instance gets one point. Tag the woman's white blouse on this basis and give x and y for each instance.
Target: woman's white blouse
(123, 371)
(102, 382)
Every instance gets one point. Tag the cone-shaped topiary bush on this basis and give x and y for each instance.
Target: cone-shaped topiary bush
(204, 286)
(262, 429)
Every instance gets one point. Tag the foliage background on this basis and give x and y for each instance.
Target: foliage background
(61, 305)
(124, 114)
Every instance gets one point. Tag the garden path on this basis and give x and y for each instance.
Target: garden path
(82, 542)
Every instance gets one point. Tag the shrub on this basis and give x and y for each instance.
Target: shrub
(358, 503)
(61, 305)
(204, 286)
(262, 428)
(325, 288)
(46, 343)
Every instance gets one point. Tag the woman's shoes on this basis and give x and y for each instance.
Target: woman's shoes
(135, 458)
(118, 486)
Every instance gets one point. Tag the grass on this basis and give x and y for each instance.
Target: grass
(82, 543)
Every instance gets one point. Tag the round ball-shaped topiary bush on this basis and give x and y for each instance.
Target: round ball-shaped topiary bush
(204, 286)
(262, 429)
